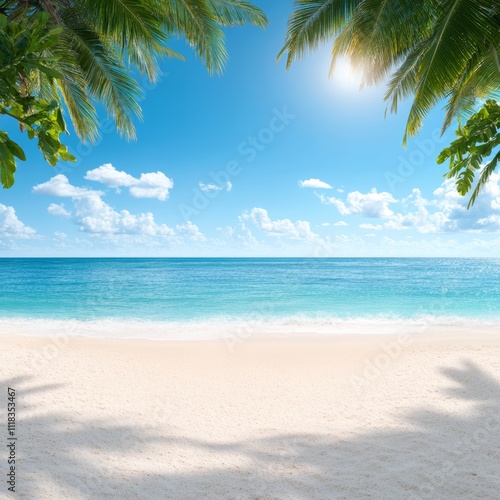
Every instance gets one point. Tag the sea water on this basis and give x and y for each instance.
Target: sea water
(184, 298)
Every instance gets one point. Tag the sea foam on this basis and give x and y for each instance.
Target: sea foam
(241, 329)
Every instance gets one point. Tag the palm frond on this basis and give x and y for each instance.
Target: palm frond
(147, 61)
(73, 89)
(107, 79)
(237, 13)
(463, 96)
(104, 42)
(403, 82)
(128, 22)
(195, 20)
(314, 22)
(381, 33)
(81, 109)
(458, 34)
(484, 178)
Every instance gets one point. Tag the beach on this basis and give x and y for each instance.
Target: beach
(224, 275)
(299, 417)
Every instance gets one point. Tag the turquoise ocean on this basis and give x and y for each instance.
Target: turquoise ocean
(197, 298)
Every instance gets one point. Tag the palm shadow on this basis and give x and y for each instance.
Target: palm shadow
(436, 455)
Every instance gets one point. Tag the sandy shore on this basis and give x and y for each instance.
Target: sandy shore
(354, 417)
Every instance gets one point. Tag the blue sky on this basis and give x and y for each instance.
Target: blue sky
(255, 162)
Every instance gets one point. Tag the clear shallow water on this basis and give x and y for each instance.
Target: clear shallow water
(198, 292)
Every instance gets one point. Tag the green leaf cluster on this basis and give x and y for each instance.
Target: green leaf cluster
(476, 141)
(23, 46)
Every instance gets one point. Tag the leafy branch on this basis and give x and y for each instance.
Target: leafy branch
(477, 140)
(23, 55)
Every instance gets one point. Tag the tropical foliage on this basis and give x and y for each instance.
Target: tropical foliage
(99, 47)
(477, 140)
(21, 54)
(429, 51)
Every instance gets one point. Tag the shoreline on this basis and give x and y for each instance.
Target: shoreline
(436, 336)
(244, 329)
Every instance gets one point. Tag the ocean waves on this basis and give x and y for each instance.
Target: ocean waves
(245, 328)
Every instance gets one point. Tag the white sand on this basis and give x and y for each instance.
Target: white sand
(297, 419)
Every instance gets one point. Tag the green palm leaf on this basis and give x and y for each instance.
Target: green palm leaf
(73, 89)
(458, 34)
(128, 22)
(403, 81)
(484, 178)
(107, 79)
(313, 22)
(380, 34)
(237, 13)
(198, 23)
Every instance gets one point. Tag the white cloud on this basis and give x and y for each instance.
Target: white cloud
(314, 183)
(58, 210)
(445, 212)
(299, 230)
(420, 218)
(215, 187)
(108, 175)
(152, 185)
(372, 204)
(452, 208)
(209, 187)
(148, 185)
(60, 186)
(191, 231)
(241, 234)
(11, 226)
(95, 216)
(339, 223)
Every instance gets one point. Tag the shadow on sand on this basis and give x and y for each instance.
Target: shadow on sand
(435, 456)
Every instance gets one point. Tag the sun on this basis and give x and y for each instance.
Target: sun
(346, 75)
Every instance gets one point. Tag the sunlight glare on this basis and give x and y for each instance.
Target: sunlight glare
(346, 75)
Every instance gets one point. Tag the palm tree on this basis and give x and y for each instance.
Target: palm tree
(430, 50)
(103, 43)
(433, 49)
